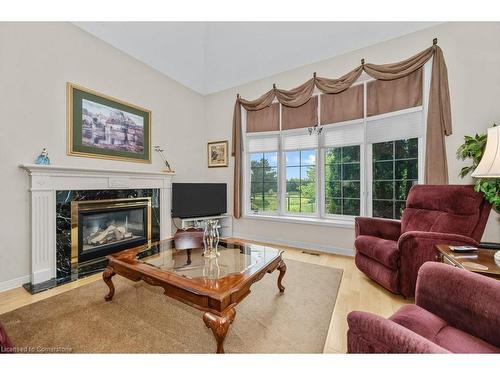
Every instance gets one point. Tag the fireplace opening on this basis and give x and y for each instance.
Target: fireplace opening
(102, 227)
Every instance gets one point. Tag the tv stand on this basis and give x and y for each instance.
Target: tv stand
(225, 222)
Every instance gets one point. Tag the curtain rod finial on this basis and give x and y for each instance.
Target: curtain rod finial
(362, 61)
(434, 41)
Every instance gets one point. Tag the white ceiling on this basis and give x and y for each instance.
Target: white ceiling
(212, 56)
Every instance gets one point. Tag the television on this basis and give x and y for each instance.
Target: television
(197, 200)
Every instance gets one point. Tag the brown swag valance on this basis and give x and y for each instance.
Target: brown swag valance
(438, 117)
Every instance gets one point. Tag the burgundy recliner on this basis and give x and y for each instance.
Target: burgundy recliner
(390, 252)
(455, 311)
(5, 343)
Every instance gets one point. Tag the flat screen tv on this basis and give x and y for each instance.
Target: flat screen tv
(198, 200)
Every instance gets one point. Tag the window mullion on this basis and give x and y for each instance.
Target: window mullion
(300, 181)
(282, 179)
(263, 179)
(319, 168)
(365, 179)
(341, 180)
(320, 181)
(393, 179)
(281, 170)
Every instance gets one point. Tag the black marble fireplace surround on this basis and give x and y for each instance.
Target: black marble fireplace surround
(65, 272)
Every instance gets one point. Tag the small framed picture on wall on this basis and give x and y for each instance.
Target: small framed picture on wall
(217, 154)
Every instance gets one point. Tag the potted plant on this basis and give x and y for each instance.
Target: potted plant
(473, 149)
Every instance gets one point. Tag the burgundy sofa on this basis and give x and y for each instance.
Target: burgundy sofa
(5, 343)
(390, 252)
(456, 311)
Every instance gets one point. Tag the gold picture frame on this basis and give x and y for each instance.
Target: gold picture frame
(75, 142)
(217, 154)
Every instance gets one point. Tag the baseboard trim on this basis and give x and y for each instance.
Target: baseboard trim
(14, 283)
(43, 275)
(305, 245)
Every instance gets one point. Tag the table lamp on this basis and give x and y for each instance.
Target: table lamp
(489, 166)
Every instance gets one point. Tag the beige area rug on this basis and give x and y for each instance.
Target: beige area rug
(140, 319)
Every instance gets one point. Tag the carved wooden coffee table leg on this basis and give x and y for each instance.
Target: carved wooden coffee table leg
(106, 276)
(219, 326)
(282, 268)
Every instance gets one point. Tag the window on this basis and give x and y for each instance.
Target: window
(395, 170)
(300, 181)
(264, 182)
(356, 166)
(342, 180)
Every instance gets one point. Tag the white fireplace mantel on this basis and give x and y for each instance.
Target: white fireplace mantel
(45, 180)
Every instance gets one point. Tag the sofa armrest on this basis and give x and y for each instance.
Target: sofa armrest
(466, 300)
(438, 238)
(416, 248)
(5, 343)
(370, 333)
(382, 228)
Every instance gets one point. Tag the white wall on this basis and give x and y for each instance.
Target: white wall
(472, 52)
(36, 61)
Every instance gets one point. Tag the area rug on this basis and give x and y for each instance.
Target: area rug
(140, 319)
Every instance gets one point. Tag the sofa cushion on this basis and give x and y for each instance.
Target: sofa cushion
(420, 321)
(457, 341)
(5, 343)
(442, 208)
(379, 273)
(435, 329)
(453, 199)
(415, 219)
(383, 251)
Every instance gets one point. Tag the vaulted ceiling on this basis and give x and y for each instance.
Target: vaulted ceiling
(213, 56)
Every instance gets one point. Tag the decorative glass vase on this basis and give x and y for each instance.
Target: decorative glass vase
(211, 268)
(211, 239)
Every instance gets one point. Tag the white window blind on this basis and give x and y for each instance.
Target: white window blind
(397, 126)
(344, 135)
(262, 144)
(300, 141)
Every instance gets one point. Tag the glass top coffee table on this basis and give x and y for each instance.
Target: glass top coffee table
(212, 285)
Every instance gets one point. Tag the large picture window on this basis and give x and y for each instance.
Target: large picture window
(395, 170)
(342, 180)
(300, 181)
(358, 165)
(264, 182)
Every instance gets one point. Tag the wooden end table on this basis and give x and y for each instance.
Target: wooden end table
(480, 261)
(214, 286)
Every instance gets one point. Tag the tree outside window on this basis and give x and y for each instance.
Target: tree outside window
(342, 180)
(395, 171)
(300, 181)
(264, 182)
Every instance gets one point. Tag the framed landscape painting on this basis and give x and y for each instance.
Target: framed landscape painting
(217, 154)
(103, 127)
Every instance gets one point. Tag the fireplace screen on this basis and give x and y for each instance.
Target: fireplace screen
(103, 227)
(99, 229)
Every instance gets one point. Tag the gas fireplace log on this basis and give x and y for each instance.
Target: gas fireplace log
(121, 234)
(110, 234)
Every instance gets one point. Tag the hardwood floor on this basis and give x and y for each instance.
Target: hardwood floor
(357, 292)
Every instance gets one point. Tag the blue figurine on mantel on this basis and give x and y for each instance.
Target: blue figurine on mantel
(43, 158)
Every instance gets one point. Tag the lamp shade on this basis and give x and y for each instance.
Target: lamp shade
(489, 166)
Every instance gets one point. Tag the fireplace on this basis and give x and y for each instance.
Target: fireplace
(101, 227)
(52, 188)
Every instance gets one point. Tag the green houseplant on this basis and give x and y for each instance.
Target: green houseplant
(473, 149)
